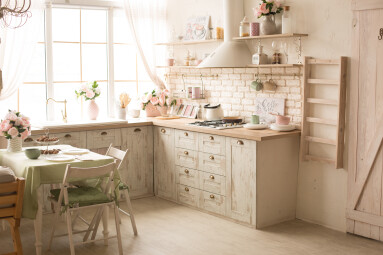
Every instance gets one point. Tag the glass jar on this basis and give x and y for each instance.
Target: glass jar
(286, 21)
(244, 28)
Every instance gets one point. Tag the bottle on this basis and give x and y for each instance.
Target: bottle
(244, 28)
(259, 58)
(286, 20)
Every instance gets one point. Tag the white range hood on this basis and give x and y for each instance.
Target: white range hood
(230, 53)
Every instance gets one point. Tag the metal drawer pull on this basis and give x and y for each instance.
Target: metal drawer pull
(212, 196)
(163, 131)
(186, 134)
(211, 138)
(137, 130)
(187, 189)
(211, 177)
(211, 157)
(186, 153)
(104, 133)
(28, 140)
(68, 136)
(186, 171)
(240, 142)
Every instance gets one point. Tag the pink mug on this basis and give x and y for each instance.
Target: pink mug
(170, 61)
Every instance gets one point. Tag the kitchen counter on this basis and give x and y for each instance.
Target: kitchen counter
(256, 135)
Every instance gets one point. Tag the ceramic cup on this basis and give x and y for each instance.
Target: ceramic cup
(32, 153)
(256, 85)
(270, 85)
(170, 61)
(254, 119)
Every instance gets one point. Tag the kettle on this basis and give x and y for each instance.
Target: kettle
(213, 112)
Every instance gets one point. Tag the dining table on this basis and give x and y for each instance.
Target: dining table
(46, 170)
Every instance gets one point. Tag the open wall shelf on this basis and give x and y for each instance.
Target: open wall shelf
(189, 42)
(275, 36)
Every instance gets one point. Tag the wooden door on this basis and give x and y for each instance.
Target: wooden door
(365, 165)
(138, 168)
(164, 165)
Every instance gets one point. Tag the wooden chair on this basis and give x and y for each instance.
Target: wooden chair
(70, 200)
(11, 203)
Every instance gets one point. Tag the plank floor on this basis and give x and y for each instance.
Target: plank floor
(165, 228)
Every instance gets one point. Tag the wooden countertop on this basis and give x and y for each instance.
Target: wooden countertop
(256, 135)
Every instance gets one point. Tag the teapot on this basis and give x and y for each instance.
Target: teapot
(213, 112)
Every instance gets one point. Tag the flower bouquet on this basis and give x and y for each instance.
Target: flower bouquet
(267, 9)
(15, 127)
(160, 99)
(90, 91)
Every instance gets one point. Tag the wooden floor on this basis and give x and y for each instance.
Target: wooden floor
(166, 228)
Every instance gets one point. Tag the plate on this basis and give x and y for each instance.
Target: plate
(282, 127)
(47, 143)
(75, 151)
(59, 158)
(255, 126)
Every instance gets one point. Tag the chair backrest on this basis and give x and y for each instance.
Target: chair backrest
(11, 198)
(117, 154)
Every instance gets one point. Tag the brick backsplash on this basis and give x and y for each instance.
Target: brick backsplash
(230, 87)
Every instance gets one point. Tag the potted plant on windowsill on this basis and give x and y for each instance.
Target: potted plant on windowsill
(90, 91)
(15, 128)
(268, 9)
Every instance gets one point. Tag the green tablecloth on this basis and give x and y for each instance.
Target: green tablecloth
(40, 171)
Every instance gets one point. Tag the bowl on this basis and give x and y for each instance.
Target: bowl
(32, 153)
(282, 120)
(134, 113)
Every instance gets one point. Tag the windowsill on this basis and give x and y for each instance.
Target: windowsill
(84, 123)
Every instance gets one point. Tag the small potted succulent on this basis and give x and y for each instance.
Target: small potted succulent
(268, 9)
(15, 128)
(90, 91)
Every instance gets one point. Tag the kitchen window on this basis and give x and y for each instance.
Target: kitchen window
(80, 44)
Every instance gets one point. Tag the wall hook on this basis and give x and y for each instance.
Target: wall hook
(380, 37)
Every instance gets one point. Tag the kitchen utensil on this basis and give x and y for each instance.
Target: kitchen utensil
(213, 112)
(256, 85)
(255, 126)
(216, 124)
(270, 86)
(282, 128)
(32, 153)
(231, 120)
(254, 119)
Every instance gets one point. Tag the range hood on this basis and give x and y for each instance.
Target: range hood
(230, 53)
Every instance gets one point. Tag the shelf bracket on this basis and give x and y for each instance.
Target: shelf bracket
(298, 49)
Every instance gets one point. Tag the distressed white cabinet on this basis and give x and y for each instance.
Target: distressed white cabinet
(100, 140)
(76, 139)
(164, 165)
(138, 169)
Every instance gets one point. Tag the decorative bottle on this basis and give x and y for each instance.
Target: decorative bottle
(286, 20)
(259, 58)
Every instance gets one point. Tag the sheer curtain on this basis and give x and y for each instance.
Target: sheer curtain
(147, 21)
(16, 50)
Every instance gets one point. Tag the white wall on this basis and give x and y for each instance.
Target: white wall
(322, 190)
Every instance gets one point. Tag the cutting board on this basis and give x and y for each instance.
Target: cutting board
(167, 118)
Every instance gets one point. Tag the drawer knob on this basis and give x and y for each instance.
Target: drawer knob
(163, 131)
(211, 177)
(28, 140)
(186, 134)
(186, 171)
(104, 133)
(186, 153)
(137, 130)
(68, 136)
(240, 142)
(212, 196)
(211, 138)
(186, 189)
(211, 157)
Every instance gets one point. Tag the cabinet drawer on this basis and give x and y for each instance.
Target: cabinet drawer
(76, 139)
(213, 144)
(187, 176)
(211, 163)
(186, 158)
(103, 138)
(186, 140)
(212, 202)
(163, 131)
(212, 183)
(188, 195)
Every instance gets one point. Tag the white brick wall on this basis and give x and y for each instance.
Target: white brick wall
(231, 88)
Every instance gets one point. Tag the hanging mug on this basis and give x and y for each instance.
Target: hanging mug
(256, 85)
(270, 86)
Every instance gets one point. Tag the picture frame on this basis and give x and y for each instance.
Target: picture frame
(180, 110)
(197, 28)
(188, 111)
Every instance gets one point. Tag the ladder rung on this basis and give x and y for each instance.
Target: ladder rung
(323, 61)
(322, 101)
(323, 81)
(321, 121)
(320, 159)
(320, 140)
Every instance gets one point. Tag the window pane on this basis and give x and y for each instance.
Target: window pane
(142, 74)
(102, 100)
(8, 104)
(36, 72)
(66, 62)
(125, 87)
(64, 91)
(33, 101)
(94, 23)
(121, 28)
(144, 87)
(66, 25)
(94, 62)
(124, 62)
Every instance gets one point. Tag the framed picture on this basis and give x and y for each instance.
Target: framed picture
(194, 113)
(188, 111)
(197, 28)
(180, 110)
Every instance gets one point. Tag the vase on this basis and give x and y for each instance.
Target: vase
(151, 111)
(93, 110)
(163, 110)
(268, 26)
(14, 144)
(121, 113)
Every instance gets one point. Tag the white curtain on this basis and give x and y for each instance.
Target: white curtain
(147, 21)
(16, 50)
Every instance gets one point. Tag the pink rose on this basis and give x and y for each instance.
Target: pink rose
(11, 116)
(18, 122)
(25, 134)
(13, 132)
(166, 92)
(84, 87)
(263, 9)
(257, 12)
(148, 97)
(277, 3)
(144, 99)
(25, 122)
(162, 100)
(89, 93)
(5, 125)
(154, 100)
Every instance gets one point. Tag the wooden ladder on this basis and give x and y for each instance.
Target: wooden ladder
(306, 138)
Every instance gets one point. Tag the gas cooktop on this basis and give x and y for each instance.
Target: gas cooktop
(216, 124)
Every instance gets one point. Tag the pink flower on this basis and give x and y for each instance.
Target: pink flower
(142, 105)
(84, 87)
(5, 125)
(144, 99)
(257, 13)
(168, 101)
(162, 100)
(18, 122)
(277, 3)
(148, 97)
(154, 100)
(178, 101)
(25, 134)
(263, 9)
(13, 132)
(11, 116)
(89, 94)
(25, 122)
(166, 92)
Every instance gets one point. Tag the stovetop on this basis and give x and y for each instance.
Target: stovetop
(216, 124)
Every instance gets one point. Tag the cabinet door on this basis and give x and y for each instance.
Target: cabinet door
(240, 179)
(164, 168)
(137, 171)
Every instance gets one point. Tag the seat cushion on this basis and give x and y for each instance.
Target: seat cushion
(83, 196)
(6, 175)
(122, 186)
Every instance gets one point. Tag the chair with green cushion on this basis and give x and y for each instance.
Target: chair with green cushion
(69, 200)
